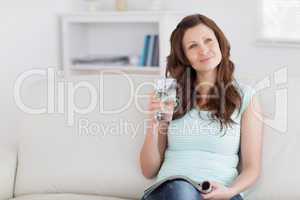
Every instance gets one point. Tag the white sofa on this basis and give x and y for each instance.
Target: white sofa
(55, 161)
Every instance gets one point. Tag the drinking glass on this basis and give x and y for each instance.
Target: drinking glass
(165, 91)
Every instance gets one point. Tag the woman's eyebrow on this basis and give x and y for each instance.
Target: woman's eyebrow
(203, 37)
(191, 42)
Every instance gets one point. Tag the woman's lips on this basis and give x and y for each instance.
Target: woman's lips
(205, 59)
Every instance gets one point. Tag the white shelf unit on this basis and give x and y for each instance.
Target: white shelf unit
(115, 33)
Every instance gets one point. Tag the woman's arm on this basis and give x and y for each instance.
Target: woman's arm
(251, 147)
(153, 150)
(152, 153)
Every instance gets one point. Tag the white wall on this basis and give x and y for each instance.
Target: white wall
(29, 39)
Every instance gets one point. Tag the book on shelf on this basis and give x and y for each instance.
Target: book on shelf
(150, 51)
(109, 60)
(145, 51)
(155, 55)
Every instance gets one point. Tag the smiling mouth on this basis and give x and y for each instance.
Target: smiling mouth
(205, 59)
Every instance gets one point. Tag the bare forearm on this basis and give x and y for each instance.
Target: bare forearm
(153, 150)
(246, 179)
(149, 157)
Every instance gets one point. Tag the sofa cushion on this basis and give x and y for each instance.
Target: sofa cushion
(97, 154)
(65, 197)
(8, 159)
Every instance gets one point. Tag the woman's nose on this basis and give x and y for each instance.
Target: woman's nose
(203, 50)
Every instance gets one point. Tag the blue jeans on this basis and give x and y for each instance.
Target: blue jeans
(177, 190)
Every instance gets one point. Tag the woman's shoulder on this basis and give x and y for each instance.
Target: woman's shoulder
(246, 91)
(244, 88)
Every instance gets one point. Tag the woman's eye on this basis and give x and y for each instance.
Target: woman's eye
(192, 46)
(208, 40)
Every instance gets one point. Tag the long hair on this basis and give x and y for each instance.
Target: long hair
(226, 98)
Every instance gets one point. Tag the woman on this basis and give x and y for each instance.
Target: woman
(214, 127)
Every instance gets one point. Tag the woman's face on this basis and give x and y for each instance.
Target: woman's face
(201, 48)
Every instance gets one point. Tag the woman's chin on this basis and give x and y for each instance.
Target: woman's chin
(206, 69)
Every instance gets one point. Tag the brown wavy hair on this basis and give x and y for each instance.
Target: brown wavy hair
(226, 98)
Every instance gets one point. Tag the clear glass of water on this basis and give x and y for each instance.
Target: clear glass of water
(165, 91)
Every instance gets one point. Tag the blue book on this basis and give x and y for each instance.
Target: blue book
(150, 51)
(145, 51)
(155, 54)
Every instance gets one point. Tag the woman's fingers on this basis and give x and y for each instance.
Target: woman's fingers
(157, 105)
(154, 106)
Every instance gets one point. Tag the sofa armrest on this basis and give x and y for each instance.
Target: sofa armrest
(8, 160)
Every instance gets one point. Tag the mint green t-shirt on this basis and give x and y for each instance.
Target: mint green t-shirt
(199, 150)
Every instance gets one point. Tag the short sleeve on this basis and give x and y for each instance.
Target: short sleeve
(247, 93)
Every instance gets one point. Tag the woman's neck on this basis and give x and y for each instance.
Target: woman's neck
(205, 81)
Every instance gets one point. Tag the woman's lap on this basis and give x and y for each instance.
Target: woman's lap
(177, 190)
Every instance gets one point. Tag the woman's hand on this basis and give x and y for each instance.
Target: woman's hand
(219, 192)
(155, 105)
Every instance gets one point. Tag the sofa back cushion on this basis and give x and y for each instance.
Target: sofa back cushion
(8, 159)
(95, 152)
